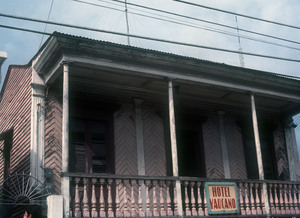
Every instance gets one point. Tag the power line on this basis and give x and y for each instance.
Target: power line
(205, 21)
(238, 14)
(192, 25)
(141, 37)
(47, 20)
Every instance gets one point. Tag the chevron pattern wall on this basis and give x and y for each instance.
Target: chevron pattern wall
(125, 141)
(53, 139)
(212, 148)
(235, 148)
(154, 145)
(281, 153)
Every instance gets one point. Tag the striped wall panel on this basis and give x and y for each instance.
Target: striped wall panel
(53, 138)
(15, 112)
(235, 148)
(281, 153)
(212, 148)
(125, 141)
(155, 156)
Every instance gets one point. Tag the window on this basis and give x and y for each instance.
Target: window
(90, 146)
(5, 148)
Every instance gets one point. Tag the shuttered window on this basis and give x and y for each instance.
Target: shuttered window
(89, 146)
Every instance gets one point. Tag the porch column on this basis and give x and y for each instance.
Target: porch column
(224, 145)
(37, 131)
(65, 183)
(140, 145)
(258, 154)
(291, 147)
(174, 148)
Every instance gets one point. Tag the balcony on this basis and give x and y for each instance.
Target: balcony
(106, 195)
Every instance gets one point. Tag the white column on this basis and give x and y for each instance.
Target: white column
(65, 182)
(258, 153)
(224, 145)
(55, 206)
(174, 148)
(140, 146)
(37, 131)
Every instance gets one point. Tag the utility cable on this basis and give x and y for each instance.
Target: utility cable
(46, 24)
(193, 25)
(205, 21)
(145, 38)
(238, 14)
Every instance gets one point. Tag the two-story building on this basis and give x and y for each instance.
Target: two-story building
(120, 131)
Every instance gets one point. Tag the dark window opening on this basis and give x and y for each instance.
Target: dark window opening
(267, 150)
(5, 152)
(90, 142)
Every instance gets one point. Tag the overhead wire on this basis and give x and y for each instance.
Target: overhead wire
(189, 24)
(238, 14)
(140, 37)
(47, 20)
(205, 21)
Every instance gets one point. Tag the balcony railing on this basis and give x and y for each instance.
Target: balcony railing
(132, 196)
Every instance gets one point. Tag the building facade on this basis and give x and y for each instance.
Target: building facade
(132, 132)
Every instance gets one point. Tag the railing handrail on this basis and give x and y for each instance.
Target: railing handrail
(181, 178)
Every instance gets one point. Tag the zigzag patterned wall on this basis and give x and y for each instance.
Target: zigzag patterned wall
(235, 148)
(125, 141)
(155, 158)
(281, 153)
(212, 148)
(53, 139)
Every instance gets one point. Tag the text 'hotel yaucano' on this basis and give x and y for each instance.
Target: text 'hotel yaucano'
(108, 130)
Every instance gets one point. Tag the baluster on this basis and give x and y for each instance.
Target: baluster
(257, 202)
(141, 211)
(101, 201)
(94, 200)
(263, 206)
(298, 191)
(175, 199)
(242, 202)
(292, 209)
(281, 199)
(148, 211)
(118, 211)
(205, 202)
(277, 205)
(155, 208)
(199, 201)
(193, 200)
(77, 211)
(248, 212)
(133, 209)
(110, 211)
(126, 211)
(187, 201)
(295, 199)
(271, 199)
(85, 200)
(253, 211)
(161, 198)
(169, 203)
(287, 206)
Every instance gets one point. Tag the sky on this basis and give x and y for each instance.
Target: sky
(22, 46)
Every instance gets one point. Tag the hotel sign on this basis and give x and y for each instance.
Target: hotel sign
(221, 198)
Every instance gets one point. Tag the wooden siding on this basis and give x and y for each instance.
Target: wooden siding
(235, 148)
(53, 137)
(155, 156)
(125, 141)
(281, 153)
(15, 113)
(212, 148)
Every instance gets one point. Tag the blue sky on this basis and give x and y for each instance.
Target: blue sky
(22, 46)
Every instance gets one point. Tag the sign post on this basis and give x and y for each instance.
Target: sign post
(221, 198)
